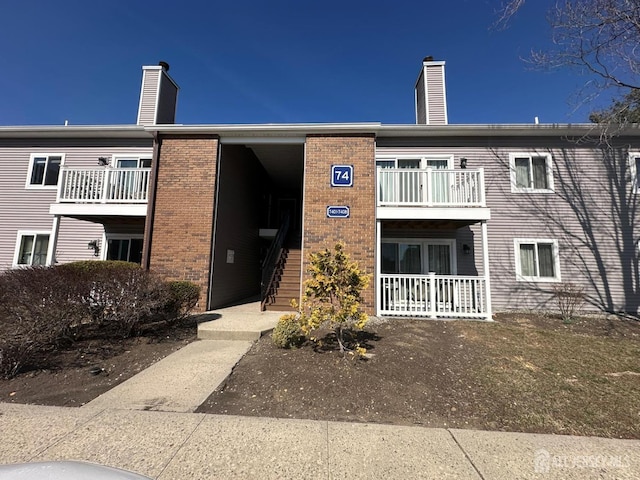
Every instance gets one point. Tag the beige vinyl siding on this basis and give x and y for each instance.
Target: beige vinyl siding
(580, 179)
(22, 208)
(148, 97)
(436, 100)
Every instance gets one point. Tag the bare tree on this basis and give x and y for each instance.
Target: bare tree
(600, 38)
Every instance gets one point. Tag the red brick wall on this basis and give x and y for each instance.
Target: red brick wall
(182, 228)
(358, 231)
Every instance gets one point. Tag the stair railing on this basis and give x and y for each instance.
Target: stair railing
(274, 259)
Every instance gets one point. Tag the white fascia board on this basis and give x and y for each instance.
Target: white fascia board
(230, 140)
(270, 129)
(78, 131)
(495, 130)
(98, 209)
(433, 213)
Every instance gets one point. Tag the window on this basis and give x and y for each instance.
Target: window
(537, 260)
(418, 256)
(634, 166)
(32, 248)
(531, 172)
(44, 170)
(127, 249)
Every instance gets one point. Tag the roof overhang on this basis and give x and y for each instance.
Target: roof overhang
(76, 131)
(381, 130)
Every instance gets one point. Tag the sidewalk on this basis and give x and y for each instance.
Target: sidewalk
(167, 445)
(122, 428)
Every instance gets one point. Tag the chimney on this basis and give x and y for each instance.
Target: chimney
(158, 96)
(431, 97)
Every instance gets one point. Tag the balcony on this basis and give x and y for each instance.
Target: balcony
(102, 191)
(434, 296)
(431, 194)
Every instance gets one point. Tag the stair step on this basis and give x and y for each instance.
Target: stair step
(279, 308)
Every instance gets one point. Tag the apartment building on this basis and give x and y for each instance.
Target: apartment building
(451, 221)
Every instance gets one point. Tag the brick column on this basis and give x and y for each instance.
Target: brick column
(182, 225)
(358, 232)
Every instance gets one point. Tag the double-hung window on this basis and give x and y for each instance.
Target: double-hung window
(537, 260)
(31, 248)
(531, 172)
(44, 170)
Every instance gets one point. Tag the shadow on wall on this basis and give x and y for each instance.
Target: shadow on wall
(595, 224)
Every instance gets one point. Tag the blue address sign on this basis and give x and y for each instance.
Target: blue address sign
(342, 175)
(338, 211)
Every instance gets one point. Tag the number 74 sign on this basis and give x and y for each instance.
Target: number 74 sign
(342, 175)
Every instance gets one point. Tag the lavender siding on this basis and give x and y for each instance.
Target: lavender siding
(149, 96)
(436, 100)
(593, 222)
(28, 209)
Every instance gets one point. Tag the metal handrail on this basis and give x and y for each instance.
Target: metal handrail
(274, 257)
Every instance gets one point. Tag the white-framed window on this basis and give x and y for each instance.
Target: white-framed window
(531, 172)
(634, 167)
(32, 248)
(125, 247)
(44, 170)
(418, 161)
(418, 256)
(537, 260)
(131, 161)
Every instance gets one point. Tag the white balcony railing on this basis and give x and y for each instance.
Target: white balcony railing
(445, 296)
(103, 185)
(430, 188)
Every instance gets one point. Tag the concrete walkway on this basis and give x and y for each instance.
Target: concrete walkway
(183, 380)
(167, 445)
(116, 429)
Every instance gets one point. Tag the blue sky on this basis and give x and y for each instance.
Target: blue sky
(275, 61)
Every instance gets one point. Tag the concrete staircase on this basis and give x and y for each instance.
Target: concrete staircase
(287, 281)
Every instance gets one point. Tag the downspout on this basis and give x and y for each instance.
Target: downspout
(151, 203)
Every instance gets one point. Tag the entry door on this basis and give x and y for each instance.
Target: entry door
(439, 183)
(132, 185)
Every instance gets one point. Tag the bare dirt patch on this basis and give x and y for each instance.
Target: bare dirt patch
(76, 375)
(525, 372)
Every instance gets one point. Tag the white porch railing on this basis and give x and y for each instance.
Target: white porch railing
(103, 185)
(446, 296)
(429, 187)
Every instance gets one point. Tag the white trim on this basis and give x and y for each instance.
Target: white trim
(300, 140)
(530, 156)
(450, 158)
(16, 252)
(635, 173)
(444, 94)
(556, 260)
(98, 209)
(32, 157)
(433, 213)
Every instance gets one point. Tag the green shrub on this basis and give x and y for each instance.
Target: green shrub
(332, 296)
(287, 332)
